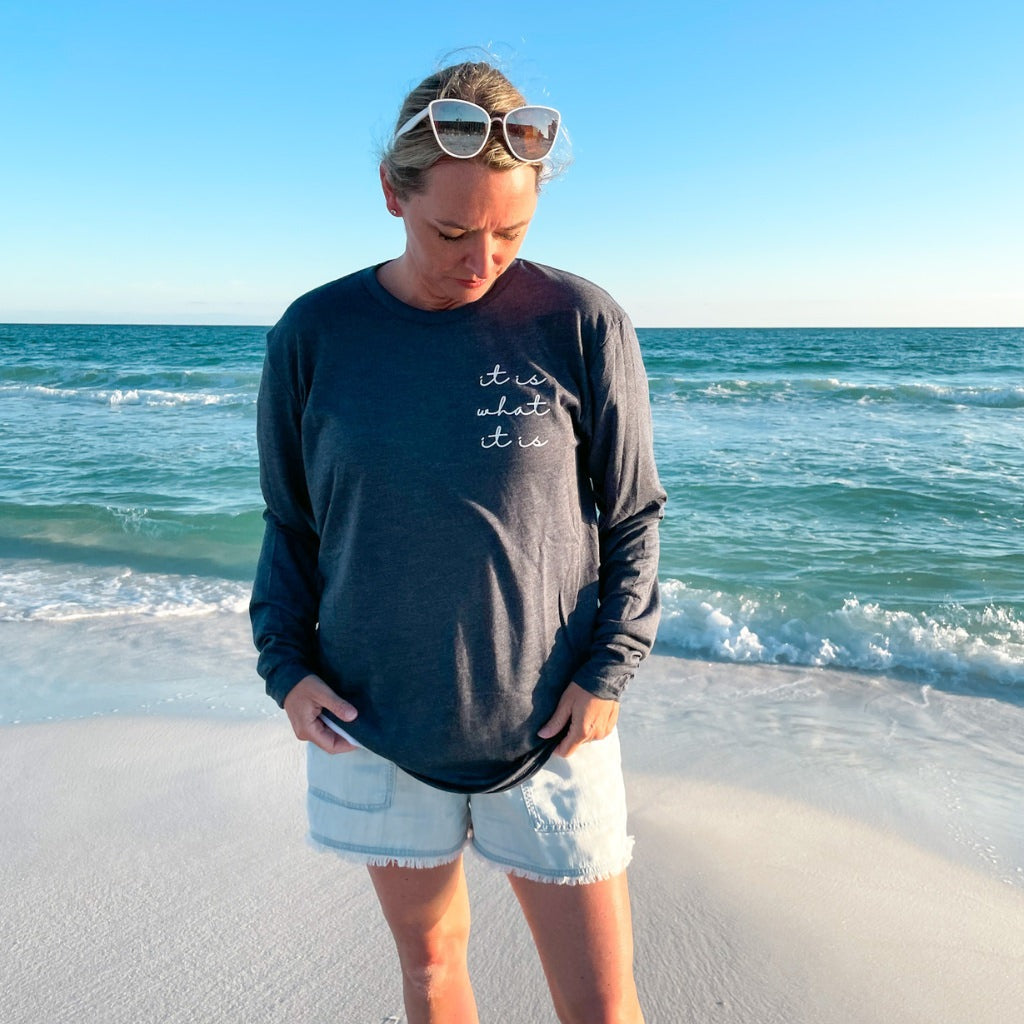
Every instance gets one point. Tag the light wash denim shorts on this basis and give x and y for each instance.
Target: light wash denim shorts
(566, 823)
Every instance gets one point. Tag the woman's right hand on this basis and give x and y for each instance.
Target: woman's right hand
(303, 705)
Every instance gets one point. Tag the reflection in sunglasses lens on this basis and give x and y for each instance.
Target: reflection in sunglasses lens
(460, 127)
(461, 137)
(531, 134)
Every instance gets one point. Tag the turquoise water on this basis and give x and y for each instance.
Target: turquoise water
(849, 498)
(845, 497)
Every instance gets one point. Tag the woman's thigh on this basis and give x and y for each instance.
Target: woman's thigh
(584, 936)
(424, 906)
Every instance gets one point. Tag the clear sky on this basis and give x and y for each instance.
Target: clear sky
(735, 162)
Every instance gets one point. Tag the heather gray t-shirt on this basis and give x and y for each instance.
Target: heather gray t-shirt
(462, 514)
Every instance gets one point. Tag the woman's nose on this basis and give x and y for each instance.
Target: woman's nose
(482, 255)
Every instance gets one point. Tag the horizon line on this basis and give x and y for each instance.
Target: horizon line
(639, 327)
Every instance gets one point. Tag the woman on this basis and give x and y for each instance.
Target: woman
(458, 575)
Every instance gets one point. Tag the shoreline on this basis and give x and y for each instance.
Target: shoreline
(157, 870)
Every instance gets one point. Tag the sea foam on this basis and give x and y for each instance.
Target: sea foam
(148, 397)
(40, 590)
(951, 643)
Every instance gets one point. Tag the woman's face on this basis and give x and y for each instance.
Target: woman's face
(462, 231)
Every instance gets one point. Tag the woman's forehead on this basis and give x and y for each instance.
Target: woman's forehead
(456, 187)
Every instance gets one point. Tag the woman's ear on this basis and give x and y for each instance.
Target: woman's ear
(394, 203)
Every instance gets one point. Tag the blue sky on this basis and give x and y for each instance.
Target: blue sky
(735, 162)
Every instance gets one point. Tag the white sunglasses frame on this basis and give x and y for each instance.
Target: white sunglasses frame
(427, 113)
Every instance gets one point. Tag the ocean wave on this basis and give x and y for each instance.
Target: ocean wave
(150, 397)
(140, 537)
(980, 645)
(833, 389)
(1002, 397)
(37, 590)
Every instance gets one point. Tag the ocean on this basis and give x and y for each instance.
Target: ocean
(842, 571)
(845, 498)
(837, 498)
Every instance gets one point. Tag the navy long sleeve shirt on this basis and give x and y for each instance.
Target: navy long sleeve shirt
(461, 515)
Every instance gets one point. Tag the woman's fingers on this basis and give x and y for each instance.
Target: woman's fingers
(588, 717)
(303, 705)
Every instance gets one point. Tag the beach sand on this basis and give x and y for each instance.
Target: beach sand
(154, 868)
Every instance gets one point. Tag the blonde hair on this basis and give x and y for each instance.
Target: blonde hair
(407, 159)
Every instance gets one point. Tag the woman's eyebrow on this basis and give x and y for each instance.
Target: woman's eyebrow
(462, 227)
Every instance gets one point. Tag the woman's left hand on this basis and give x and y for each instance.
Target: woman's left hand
(589, 718)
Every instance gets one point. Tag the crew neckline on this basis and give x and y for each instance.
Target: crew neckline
(403, 309)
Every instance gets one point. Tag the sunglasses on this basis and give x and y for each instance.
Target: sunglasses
(462, 129)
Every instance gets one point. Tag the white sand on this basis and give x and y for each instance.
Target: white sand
(154, 869)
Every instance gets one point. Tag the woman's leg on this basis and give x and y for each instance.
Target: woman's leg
(427, 910)
(584, 935)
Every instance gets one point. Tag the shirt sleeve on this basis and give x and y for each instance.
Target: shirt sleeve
(630, 503)
(285, 602)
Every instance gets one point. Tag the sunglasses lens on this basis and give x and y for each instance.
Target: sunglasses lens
(461, 127)
(531, 132)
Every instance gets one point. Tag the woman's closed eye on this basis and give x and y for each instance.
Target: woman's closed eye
(505, 236)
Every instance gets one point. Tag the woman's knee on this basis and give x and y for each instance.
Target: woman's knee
(427, 910)
(432, 959)
(600, 1008)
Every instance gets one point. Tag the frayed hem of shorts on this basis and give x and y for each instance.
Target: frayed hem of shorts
(379, 860)
(585, 878)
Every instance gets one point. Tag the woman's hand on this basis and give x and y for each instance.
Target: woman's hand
(303, 705)
(589, 718)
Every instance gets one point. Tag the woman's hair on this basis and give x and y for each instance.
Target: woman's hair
(407, 159)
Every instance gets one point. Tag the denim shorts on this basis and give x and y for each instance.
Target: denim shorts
(566, 823)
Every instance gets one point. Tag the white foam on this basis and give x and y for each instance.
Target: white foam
(36, 590)
(953, 641)
(911, 393)
(150, 397)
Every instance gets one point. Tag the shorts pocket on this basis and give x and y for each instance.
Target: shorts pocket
(358, 779)
(579, 792)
